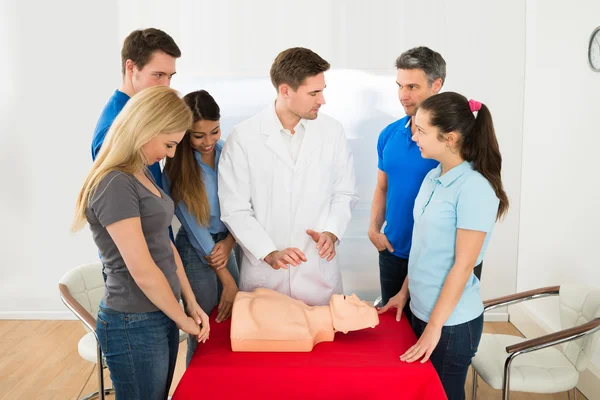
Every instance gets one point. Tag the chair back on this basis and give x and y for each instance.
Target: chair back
(81, 289)
(579, 304)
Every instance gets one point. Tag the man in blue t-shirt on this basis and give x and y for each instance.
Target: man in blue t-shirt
(421, 74)
(147, 59)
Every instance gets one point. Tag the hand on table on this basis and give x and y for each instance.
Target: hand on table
(398, 301)
(424, 346)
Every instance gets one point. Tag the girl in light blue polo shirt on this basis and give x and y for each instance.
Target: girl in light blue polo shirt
(203, 241)
(455, 212)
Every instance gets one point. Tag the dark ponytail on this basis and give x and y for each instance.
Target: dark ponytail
(451, 112)
(183, 170)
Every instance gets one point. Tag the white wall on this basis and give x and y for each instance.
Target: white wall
(60, 63)
(560, 208)
(228, 47)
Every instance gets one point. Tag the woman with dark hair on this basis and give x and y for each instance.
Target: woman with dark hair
(203, 241)
(455, 212)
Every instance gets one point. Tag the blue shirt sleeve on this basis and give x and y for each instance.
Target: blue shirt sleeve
(199, 236)
(383, 136)
(477, 205)
(97, 140)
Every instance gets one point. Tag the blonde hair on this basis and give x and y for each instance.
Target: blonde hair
(152, 111)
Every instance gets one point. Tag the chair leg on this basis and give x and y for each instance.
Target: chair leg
(96, 394)
(101, 392)
(474, 392)
(100, 368)
(506, 377)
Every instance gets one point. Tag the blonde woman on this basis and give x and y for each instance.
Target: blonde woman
(129, 214)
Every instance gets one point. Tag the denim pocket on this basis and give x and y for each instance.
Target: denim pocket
(475, 331)
(102, 333)
(132, 317)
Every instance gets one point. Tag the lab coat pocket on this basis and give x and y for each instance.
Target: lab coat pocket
(254, 276)
(329, 271)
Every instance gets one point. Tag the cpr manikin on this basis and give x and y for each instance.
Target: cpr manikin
(267, 321)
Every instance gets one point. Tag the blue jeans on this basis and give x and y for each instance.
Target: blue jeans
(140, 350)
(204, 281)
(392, 272)
(452, 356)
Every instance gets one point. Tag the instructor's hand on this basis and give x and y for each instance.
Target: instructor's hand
(281, 259)
(325, 243)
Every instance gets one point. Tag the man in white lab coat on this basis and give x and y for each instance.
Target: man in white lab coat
(287, 186)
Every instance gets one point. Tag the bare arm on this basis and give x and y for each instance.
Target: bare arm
(129, 239)
(378, 205)
(379, 240)
(192, 308)
(468, 246)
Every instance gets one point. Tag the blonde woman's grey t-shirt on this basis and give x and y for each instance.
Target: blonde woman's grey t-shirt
(120, 196)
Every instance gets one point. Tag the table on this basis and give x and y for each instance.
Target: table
(358, 365)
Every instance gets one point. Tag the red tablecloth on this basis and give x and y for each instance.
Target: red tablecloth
(359, 365)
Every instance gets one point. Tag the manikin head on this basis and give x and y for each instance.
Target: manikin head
(349, 313)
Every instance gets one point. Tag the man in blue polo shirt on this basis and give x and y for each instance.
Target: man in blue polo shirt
(147, 59)
(421, 74)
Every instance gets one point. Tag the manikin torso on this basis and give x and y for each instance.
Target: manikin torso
(268, 321)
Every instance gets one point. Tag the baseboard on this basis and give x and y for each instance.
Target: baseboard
(37, 315)
(531, 326)
(499, 315)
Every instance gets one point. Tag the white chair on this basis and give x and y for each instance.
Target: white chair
(81, 290)
(532, 365)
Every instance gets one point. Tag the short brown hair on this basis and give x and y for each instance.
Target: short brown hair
(293, 66)
(141, 44)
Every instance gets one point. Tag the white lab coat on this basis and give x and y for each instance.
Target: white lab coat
(268, 202)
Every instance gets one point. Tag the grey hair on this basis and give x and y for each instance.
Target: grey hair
(431, 62)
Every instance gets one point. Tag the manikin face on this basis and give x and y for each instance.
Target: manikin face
(351, 313)
(161, 146)
(305, 101)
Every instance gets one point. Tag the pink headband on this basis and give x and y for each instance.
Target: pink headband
(474, 105)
